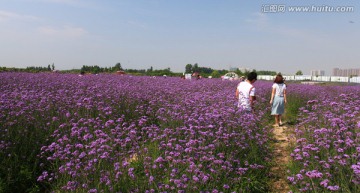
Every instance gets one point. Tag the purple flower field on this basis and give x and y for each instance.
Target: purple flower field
(108, 133)
(326, 156)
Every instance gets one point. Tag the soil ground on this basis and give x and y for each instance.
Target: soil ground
(282, 137)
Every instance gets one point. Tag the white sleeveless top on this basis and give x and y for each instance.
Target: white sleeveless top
(279, 89)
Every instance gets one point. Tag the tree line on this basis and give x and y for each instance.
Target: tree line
(206, 72)
(32, 69)
(140, 72)
(189, 69)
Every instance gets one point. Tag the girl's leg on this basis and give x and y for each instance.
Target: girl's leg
(277, 120)
(280, 122)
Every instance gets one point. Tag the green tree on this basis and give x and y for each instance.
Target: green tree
(195, 68)
(216, 74)
(299, 72)
(150, 69)
(53, 66)
(96, 70)
(84, 68)
(238, 72)
(118, 67)
(188, 68)
(205, 70)
(266, 72)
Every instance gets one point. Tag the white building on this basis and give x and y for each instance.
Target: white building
(346, 72)
(245, 70)
(317, 73)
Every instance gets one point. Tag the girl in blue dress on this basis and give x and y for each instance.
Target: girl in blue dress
(278, 99)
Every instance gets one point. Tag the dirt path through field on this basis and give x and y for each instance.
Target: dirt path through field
(281, 159)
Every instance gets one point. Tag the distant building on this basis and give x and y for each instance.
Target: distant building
(317, 73)
(245, 70)
(346, 72)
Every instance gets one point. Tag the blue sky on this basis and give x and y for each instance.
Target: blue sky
(172, 33)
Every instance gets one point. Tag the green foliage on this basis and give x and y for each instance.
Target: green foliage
(188, 68)
(97, 69)
(292, 107)
(299, 72)
(32, 69)
(38, 69)
(150, 69)
(238, 72)
(117, 67)
(195, 68)
(205, 70)
(19, 164)
(2, 69)
(92, 69)
(215, 74)
(266, 72)
(137, 72)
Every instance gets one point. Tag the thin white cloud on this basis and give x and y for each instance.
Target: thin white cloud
(68, 2)
(260, 20)
(291, 32)
(10, 16)
(263, 23)
(61, 1)
(65, 31)
(75, 3)
(137, 24)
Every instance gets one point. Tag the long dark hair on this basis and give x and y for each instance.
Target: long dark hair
(279, 79)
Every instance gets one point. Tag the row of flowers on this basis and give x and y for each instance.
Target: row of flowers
(134, 134)
(109, 133)
(326, 153)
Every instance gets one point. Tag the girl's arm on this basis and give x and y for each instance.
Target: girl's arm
(285, 96)
(272, 95)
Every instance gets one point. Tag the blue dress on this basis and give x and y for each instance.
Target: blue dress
(278, 105)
